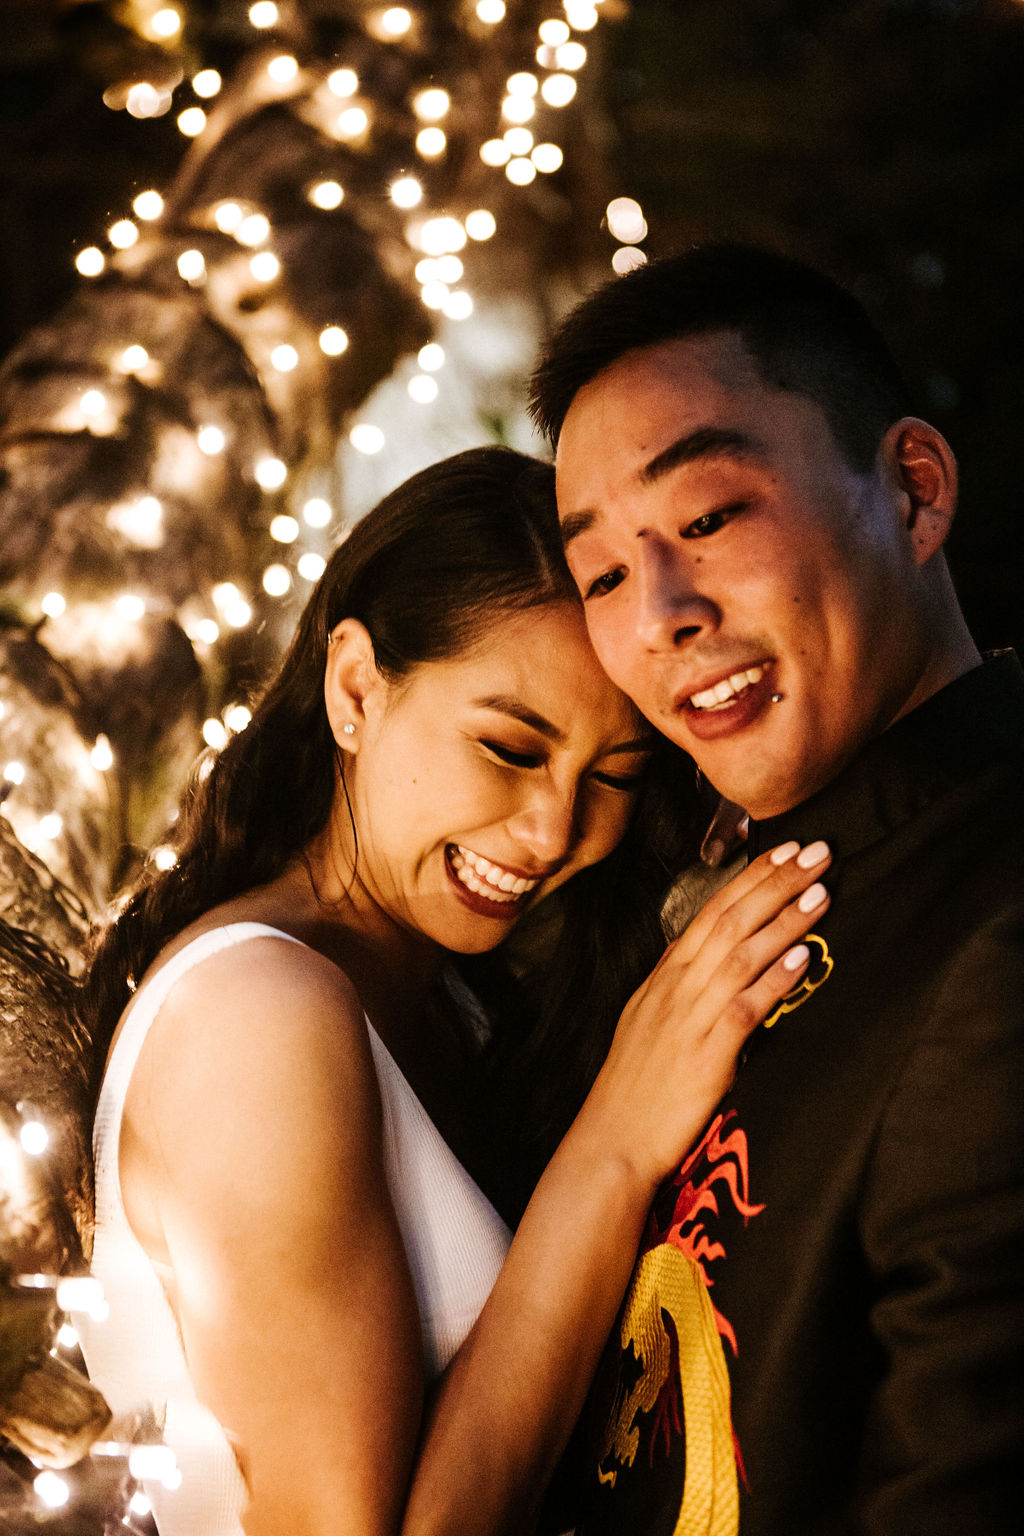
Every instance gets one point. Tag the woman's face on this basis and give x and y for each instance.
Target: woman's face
(480, 784)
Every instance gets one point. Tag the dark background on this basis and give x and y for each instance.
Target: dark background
(880, 139)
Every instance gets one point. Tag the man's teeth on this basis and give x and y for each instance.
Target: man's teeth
(724, 692)
(486, 879)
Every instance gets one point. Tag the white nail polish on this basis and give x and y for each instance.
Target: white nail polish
(812, 897)
(796, 958)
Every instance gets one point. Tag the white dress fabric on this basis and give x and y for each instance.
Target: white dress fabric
(454, 1240)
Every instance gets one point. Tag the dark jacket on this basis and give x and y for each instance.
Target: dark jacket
(857, 1207)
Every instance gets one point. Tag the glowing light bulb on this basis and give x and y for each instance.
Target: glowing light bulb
(434, 294)
(264, 266)
(547, 157)
(521, 172)
(263, 14)
(366, 438)
(207, 631)
(134, 358)
(139, 522)
(351, 123)
(51, 1490)
(317, 512)
(67, 1336)
(480, 224)
(311, 566)
(123, 234)
(211, 440)
(431, 142)
(558, 90)
(571, 56)
(458, 305)
(146, 100)
(283, 69)
(422, 388)
(53, 604)
(93, 402)
(192, 266)
(425, 271)
(627, 257)
(495, 152)
(431, 105)
(449, 269)
(326, 195)
(50, 826)
(34, 1136)
(238, 614)
(396, 21)
(343, 82)
(270, 474)
(522, 84)
(284, 529)
(207, 83)
(518, 109)
(333, 341)
(191, 122)
(277, 580)
(406, 192)
(580, 14)
(91, 261)
(284, 358)
(490, 12)
(237, 717)
(519, 140)
(441, 235)
(148, 205)
(81, 1293)
(154, 1463)
(129, 606)
(14, 773)
(626, 220)
(225, 593)
(102, 754)
(431, 357)
(166, 22)
(214, 733)
(553, 32)
(227, 217)
(139, 1504)
(253, 229)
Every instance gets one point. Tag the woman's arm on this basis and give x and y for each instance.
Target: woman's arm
(512, 1394)
(251, 1162)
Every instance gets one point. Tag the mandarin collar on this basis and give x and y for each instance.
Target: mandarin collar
(956, 732)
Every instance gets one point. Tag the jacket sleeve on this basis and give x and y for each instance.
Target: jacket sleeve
(942, 1226)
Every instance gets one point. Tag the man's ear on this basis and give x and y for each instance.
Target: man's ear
(350, 679)
(924, 468)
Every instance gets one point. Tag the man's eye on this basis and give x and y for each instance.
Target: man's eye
(603, 584)
(710, 523)
(514, 759)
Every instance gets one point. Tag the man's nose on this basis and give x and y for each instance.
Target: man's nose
(671, 606)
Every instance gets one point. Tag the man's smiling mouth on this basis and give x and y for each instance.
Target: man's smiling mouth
(723, 694)
(485, 878)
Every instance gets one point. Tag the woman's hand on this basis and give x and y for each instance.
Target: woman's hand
(679, 1037)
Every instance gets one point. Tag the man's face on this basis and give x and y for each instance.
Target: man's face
(726, 555)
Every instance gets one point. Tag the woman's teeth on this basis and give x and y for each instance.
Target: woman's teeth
(486, 879)
(724, 692)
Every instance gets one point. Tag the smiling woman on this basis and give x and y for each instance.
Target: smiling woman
(299, 1125)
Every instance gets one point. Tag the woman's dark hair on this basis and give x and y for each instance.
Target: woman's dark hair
(427, 572)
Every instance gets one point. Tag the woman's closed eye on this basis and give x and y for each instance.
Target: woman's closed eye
(513, 758)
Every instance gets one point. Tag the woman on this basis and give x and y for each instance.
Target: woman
(294, 1106)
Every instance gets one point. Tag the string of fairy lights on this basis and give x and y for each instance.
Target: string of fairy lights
(441, 240)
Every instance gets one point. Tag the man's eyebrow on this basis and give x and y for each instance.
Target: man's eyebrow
(705, 443)
(508, 704)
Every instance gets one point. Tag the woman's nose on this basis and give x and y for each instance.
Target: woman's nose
(546, 824)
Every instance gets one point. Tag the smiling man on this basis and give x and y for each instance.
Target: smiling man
(825, 1330)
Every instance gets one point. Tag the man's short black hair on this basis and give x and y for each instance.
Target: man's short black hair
(804, 333)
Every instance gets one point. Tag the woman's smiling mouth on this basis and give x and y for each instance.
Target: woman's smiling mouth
(487, 888)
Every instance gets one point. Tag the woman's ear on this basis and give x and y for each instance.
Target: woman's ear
(926, 476)
(350, 678)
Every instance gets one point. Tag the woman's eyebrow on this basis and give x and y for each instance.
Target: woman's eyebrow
(508, 704)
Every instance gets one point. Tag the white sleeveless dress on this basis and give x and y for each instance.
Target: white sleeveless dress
(454, 1240)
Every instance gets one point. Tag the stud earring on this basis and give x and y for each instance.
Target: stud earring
(348, 729)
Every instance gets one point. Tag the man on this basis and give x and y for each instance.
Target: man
(825, 1329)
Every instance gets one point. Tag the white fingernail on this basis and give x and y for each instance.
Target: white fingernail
(783, 853)
(812, 854)
(795, 958)
(812, 897)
